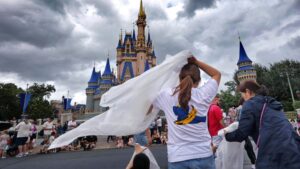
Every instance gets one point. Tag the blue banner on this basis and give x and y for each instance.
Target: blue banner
(25, 98)
(67, 103)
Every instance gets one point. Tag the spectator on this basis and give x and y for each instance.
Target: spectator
(48, 127)
(159, 125)
(215, 122)
(23, 129)
(262, 119)
(156, 138)
(72, 124)
(33, 132)
(59, 128)
(46, 143)
(144, 138)
(4, 138)
(120, 143)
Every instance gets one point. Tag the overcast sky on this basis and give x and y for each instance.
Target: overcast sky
(57, 41)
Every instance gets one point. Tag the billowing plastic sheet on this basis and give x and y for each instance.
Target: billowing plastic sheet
(129, 103)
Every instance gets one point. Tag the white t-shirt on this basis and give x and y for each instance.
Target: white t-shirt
(192, 140)
(48, 126)
(23, 129)
(72, 125)
(159, 122)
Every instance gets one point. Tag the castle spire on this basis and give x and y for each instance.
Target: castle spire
(141, 11)
(94, 76)
(107, 70)
(243, 55)
(141, 24)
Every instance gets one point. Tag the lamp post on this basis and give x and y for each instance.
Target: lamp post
(24, 115)
(289, 83)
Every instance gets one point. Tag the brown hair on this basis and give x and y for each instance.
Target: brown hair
(189, 75)
(253, 87)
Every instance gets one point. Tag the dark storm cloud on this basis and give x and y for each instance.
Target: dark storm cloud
(55, 5)
(32, 24)
(155, 13)
(190, 7)
(104, 8)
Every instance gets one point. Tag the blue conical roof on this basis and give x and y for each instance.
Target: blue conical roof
(243, 55)
(153, 54)
(94, 77)
(147, 66)
(133, 35)
(149, 38)
(107, 70)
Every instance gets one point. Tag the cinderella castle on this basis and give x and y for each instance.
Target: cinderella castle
(135, 55)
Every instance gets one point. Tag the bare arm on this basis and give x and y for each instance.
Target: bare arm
(212, 72)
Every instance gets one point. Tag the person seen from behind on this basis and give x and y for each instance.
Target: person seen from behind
(186, 107)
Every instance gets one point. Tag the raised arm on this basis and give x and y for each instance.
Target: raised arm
(212, 72)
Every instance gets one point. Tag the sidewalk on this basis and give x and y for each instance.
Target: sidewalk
(101, 144)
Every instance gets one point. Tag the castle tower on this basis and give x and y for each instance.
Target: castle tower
(135, 55)
(90, 90)
(133, 52)
(245, 69)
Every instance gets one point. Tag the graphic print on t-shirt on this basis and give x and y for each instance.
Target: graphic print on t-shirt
(184, 116)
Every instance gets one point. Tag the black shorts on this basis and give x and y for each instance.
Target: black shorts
(21, 141)
(33, 136)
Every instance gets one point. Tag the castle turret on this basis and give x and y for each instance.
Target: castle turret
(245, 69)
(90, 90)
(107, 78)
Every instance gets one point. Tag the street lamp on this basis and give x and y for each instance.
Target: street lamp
(289, 83)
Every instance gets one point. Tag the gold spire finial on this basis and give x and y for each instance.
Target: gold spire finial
(141, 12)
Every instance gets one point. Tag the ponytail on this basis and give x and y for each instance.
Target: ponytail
(185, 91)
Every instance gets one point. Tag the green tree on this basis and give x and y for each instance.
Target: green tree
(9, 101)
(229, 97)
(38, 106)
(274, 78)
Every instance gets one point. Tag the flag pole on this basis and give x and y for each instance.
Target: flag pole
(24, 116)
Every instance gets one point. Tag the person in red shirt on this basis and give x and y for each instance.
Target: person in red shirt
(215, 122)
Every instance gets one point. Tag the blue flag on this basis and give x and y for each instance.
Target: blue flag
(25, 98)
(67, 103)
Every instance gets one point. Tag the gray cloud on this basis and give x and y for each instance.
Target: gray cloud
(155, 13)
(56, 41)
(190, 7)
(55, 5)
(32, 24)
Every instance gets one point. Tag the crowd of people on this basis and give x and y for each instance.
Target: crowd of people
(197, 132)
(21, 139)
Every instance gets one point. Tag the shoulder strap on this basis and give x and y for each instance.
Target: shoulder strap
(260, 121)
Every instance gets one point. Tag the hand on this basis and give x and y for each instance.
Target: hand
(192, 60)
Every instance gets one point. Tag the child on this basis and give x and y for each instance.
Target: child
(46, 143)
(4, 137)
